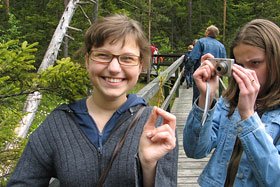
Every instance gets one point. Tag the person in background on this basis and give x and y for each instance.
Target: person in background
(244, 125)
(153, 48)
(156, 59)
(194, 41)
(188, 70)
(205, 45)
(76, 141)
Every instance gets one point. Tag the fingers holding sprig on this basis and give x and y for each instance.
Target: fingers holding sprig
(249, 87)
(156, 142)
(163, 132)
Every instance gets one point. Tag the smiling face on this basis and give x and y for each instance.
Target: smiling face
(253, 58)
(111, 81)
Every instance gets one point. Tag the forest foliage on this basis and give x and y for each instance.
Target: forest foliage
(27, 26)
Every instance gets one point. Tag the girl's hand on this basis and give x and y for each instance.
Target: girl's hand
(249, 87)
(206, 73)
(156, 142)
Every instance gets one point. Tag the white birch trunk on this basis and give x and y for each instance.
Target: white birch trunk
(33, 100)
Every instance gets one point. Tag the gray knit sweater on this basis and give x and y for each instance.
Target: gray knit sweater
(59, 148)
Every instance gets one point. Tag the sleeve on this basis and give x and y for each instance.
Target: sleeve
(34, 166)
(261, 153)
(198, 141)
(166, 169)
(196, 53)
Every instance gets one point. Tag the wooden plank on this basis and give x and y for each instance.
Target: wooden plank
(188, 169)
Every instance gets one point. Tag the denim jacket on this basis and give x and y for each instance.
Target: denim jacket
(260, 162)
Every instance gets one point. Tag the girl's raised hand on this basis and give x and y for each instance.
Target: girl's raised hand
(156, 142)
(249, 87)
(206, 73)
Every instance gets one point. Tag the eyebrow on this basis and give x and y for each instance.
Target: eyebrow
(107, 51)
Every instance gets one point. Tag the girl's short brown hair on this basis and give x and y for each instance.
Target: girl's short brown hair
(115, 28)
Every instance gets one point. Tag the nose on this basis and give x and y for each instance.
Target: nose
(114, 65)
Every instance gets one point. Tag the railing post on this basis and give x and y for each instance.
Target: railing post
(149, 69)
(176, 77)
(166, 93)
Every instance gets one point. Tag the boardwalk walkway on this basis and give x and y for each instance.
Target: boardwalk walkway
(188, 169)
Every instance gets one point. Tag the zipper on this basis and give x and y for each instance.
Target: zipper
(99, 151)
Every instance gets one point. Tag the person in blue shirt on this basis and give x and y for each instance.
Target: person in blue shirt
(188, 71)
(208, 44)
(76, 142)
(243, 126)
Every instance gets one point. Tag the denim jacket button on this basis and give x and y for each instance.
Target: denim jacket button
(239, 129)
(240, 176)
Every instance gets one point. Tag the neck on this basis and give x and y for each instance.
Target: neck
(97, 102)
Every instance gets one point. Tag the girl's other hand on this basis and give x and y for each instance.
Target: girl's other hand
(249, 87)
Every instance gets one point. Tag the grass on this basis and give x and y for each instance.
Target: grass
(138, 87)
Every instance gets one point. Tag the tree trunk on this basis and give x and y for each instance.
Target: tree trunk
(149, 21)
(33, 100)
(66, 40)
(189, 21)
(95, 16)
(224, 21)
(8, 5)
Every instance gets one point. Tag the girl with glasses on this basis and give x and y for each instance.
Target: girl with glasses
(76, 142)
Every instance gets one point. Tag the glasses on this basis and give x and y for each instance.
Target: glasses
(126, 60)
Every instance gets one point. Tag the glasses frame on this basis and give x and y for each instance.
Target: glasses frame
(112, 57)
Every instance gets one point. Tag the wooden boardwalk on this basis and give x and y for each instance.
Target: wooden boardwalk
(188, 169)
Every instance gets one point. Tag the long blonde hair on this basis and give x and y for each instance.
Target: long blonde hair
(264, 34)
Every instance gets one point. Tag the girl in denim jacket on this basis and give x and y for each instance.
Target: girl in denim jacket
(244, 125)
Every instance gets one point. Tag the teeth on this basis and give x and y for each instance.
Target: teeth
(113, 80)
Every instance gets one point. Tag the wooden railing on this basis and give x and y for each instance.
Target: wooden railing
(174, 70)
(168, 59)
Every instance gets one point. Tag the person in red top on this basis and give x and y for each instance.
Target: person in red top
(153, 51)
(153, 48)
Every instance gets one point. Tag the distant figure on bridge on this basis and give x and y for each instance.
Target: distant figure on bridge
(188, 70)
(76, 143)
(209, 44)
(242, 128)
(194, 41)
(155, 60)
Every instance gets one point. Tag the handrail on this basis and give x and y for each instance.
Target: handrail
(153, 87)
(168, 55)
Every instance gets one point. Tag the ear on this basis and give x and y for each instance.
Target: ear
(140, 68)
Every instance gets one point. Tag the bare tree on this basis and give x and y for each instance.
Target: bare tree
(95, 16)
(33, 100)
(224, 21)
(66, 40)
(189, 21)
(8, 5)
